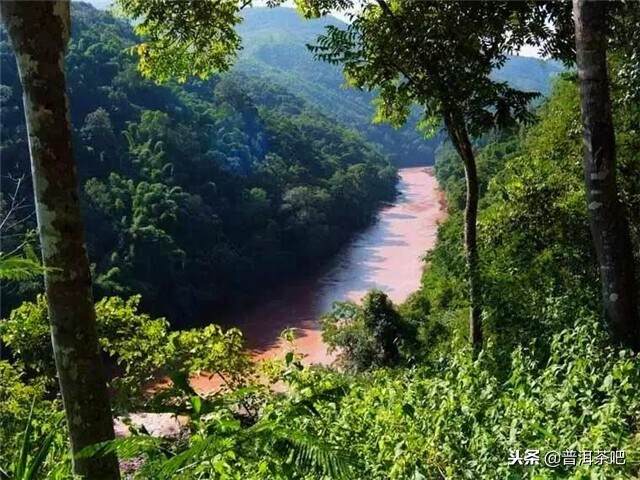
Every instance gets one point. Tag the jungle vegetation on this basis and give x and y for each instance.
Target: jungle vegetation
(414, 395)
(193, 195)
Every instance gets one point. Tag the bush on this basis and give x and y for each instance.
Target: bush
(458, 419)
(374, 335)
(138, 346)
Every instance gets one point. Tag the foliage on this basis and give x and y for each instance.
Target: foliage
(24, 466)
(180, 42)
(15, 399)
(18, 268)
(412, 404)
(456, 418)
(139, 346)
(549, 376)
(373, 335)
(26, 333)
(275, 49)
(533, 226)
(275, 43)
(460, 419)
(198, 194)
(221, 448)
(223, 442)
(440, 56)
(437, 55)
(32, 436)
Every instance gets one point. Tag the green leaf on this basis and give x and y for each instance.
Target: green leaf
(15, 268)
(196, 404)
(288, 358)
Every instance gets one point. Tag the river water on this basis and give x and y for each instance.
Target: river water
(387, 256)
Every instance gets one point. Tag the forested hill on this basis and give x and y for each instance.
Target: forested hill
(275, 47)
(193, 195)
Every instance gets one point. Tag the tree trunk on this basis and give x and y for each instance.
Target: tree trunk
(39, 32)
(460, 139)
(609, 227)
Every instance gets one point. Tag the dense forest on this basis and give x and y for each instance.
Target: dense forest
(275, 47)
(265, 179)
(517, 356)
(194, 195)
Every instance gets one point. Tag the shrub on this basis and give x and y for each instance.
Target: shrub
(374, 335)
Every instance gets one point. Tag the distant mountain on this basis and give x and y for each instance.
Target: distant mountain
(530, 74)
(274, 42)
(274, 49)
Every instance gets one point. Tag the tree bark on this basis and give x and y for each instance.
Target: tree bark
(39, 32)
(459, 136)
(608, 222)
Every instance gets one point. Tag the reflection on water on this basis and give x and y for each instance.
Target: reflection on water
(386, 256)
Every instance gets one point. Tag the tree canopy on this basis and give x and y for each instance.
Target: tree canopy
(208, 191)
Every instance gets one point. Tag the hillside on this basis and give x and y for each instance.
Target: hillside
(251, 320)
(530, 74)
(197, 195)
(274, 47)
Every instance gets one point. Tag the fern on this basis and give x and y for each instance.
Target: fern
(311, 453)
(208, 446)
(126, 447)
(16, 268)
(305, 452)
(308, 453)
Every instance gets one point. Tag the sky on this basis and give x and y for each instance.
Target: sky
(529, 51)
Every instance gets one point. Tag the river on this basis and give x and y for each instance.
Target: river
(387, 256)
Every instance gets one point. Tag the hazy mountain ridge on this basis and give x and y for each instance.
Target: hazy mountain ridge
(275, 49)
(275, 46)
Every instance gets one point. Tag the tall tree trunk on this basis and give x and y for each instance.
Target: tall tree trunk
(460, 138)
(39, 32)
(609, 226)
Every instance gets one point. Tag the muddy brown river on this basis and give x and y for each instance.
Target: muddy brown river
(387, 256)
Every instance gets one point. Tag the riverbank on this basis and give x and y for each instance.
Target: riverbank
(387, 256)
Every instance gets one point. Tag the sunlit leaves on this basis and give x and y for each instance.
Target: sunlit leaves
(213, 350)
(317, 8)
(186, 38)
(140, 346)
(18, 268)
(26, 332)
(438, 55)
(368, 336)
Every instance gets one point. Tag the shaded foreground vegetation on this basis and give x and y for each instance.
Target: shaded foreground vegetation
(411, 401)
(548, 377)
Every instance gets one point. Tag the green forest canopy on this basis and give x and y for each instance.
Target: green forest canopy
(199, 195)
(548, 377)
(196, 195)
(418, 407)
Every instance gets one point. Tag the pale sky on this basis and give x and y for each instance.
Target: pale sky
(529, 51)
(526, 51)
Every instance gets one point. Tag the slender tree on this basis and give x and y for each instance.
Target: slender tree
(39, 32)
(438, 55)
(608, 221)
